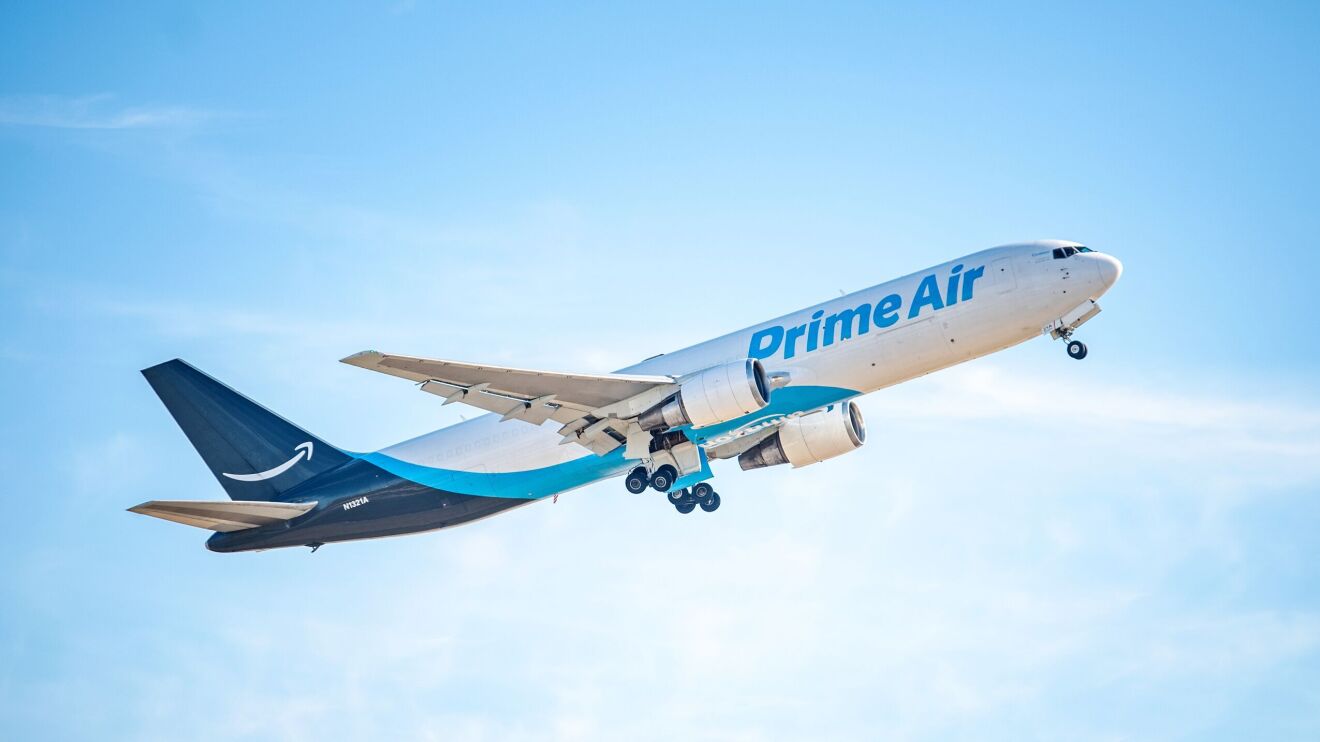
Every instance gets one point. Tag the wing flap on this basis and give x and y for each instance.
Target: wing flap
(535, 411)
(224, 515)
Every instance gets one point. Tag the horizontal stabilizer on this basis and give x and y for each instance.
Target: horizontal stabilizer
(223, 515)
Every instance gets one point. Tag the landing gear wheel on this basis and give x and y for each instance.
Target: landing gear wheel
(702, 491)
(1076, 349)
(678, 496)
(663, 478)
(686, 505)
(711, 503)
(637, 480)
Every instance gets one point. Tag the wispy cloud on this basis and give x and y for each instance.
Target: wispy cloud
(1254, 422)
(100, 111)
(986, 390)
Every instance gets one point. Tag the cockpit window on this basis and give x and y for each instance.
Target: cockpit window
(1084, 248)
(1066, 252)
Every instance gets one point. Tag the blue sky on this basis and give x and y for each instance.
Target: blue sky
(1028, 547)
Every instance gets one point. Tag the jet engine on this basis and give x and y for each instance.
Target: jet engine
(718, 394)
(809, 439)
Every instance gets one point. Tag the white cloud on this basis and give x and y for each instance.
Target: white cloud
(985, 390)
(94, 112)
(1261, 438)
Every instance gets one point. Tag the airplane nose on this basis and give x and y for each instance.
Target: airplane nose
(1110, 270)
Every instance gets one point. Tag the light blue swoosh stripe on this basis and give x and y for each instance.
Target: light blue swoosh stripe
(537, 483)
(528, 485)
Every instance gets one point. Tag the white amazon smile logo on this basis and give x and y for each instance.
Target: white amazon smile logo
(301, 448)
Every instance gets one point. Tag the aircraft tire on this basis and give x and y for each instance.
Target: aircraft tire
(637, 480)
(663, 478)
(711, 503)
(677, 496)
(686, 505)
(702, 491)
(1076, 349)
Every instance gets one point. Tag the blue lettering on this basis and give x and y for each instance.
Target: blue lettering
(969, 278)
(886, 312)
(766, 342)
(790, 340)
(951, 296)
(813, 335)
(847, 323)
(843, 321)
(928, 294)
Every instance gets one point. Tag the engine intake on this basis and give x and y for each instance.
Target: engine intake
(717, 395)
(809, 439)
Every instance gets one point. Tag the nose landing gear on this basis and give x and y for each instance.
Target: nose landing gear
(1063, 327)
(1076, 348)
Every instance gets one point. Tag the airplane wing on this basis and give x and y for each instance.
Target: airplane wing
(594, 408)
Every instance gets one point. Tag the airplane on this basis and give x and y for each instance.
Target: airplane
(779, 392)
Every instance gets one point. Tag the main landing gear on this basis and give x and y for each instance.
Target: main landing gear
(662, 480)
(686, 500)
(638, 480)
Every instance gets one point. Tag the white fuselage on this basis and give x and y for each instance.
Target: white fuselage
(852, 345)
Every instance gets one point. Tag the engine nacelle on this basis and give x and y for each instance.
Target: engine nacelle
(809, 439)
(717, 395)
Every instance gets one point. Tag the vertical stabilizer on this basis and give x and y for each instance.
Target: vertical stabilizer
(254, 453)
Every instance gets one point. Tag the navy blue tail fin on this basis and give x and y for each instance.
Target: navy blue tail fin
(256, 454)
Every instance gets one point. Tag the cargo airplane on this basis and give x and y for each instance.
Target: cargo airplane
(780, 392)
